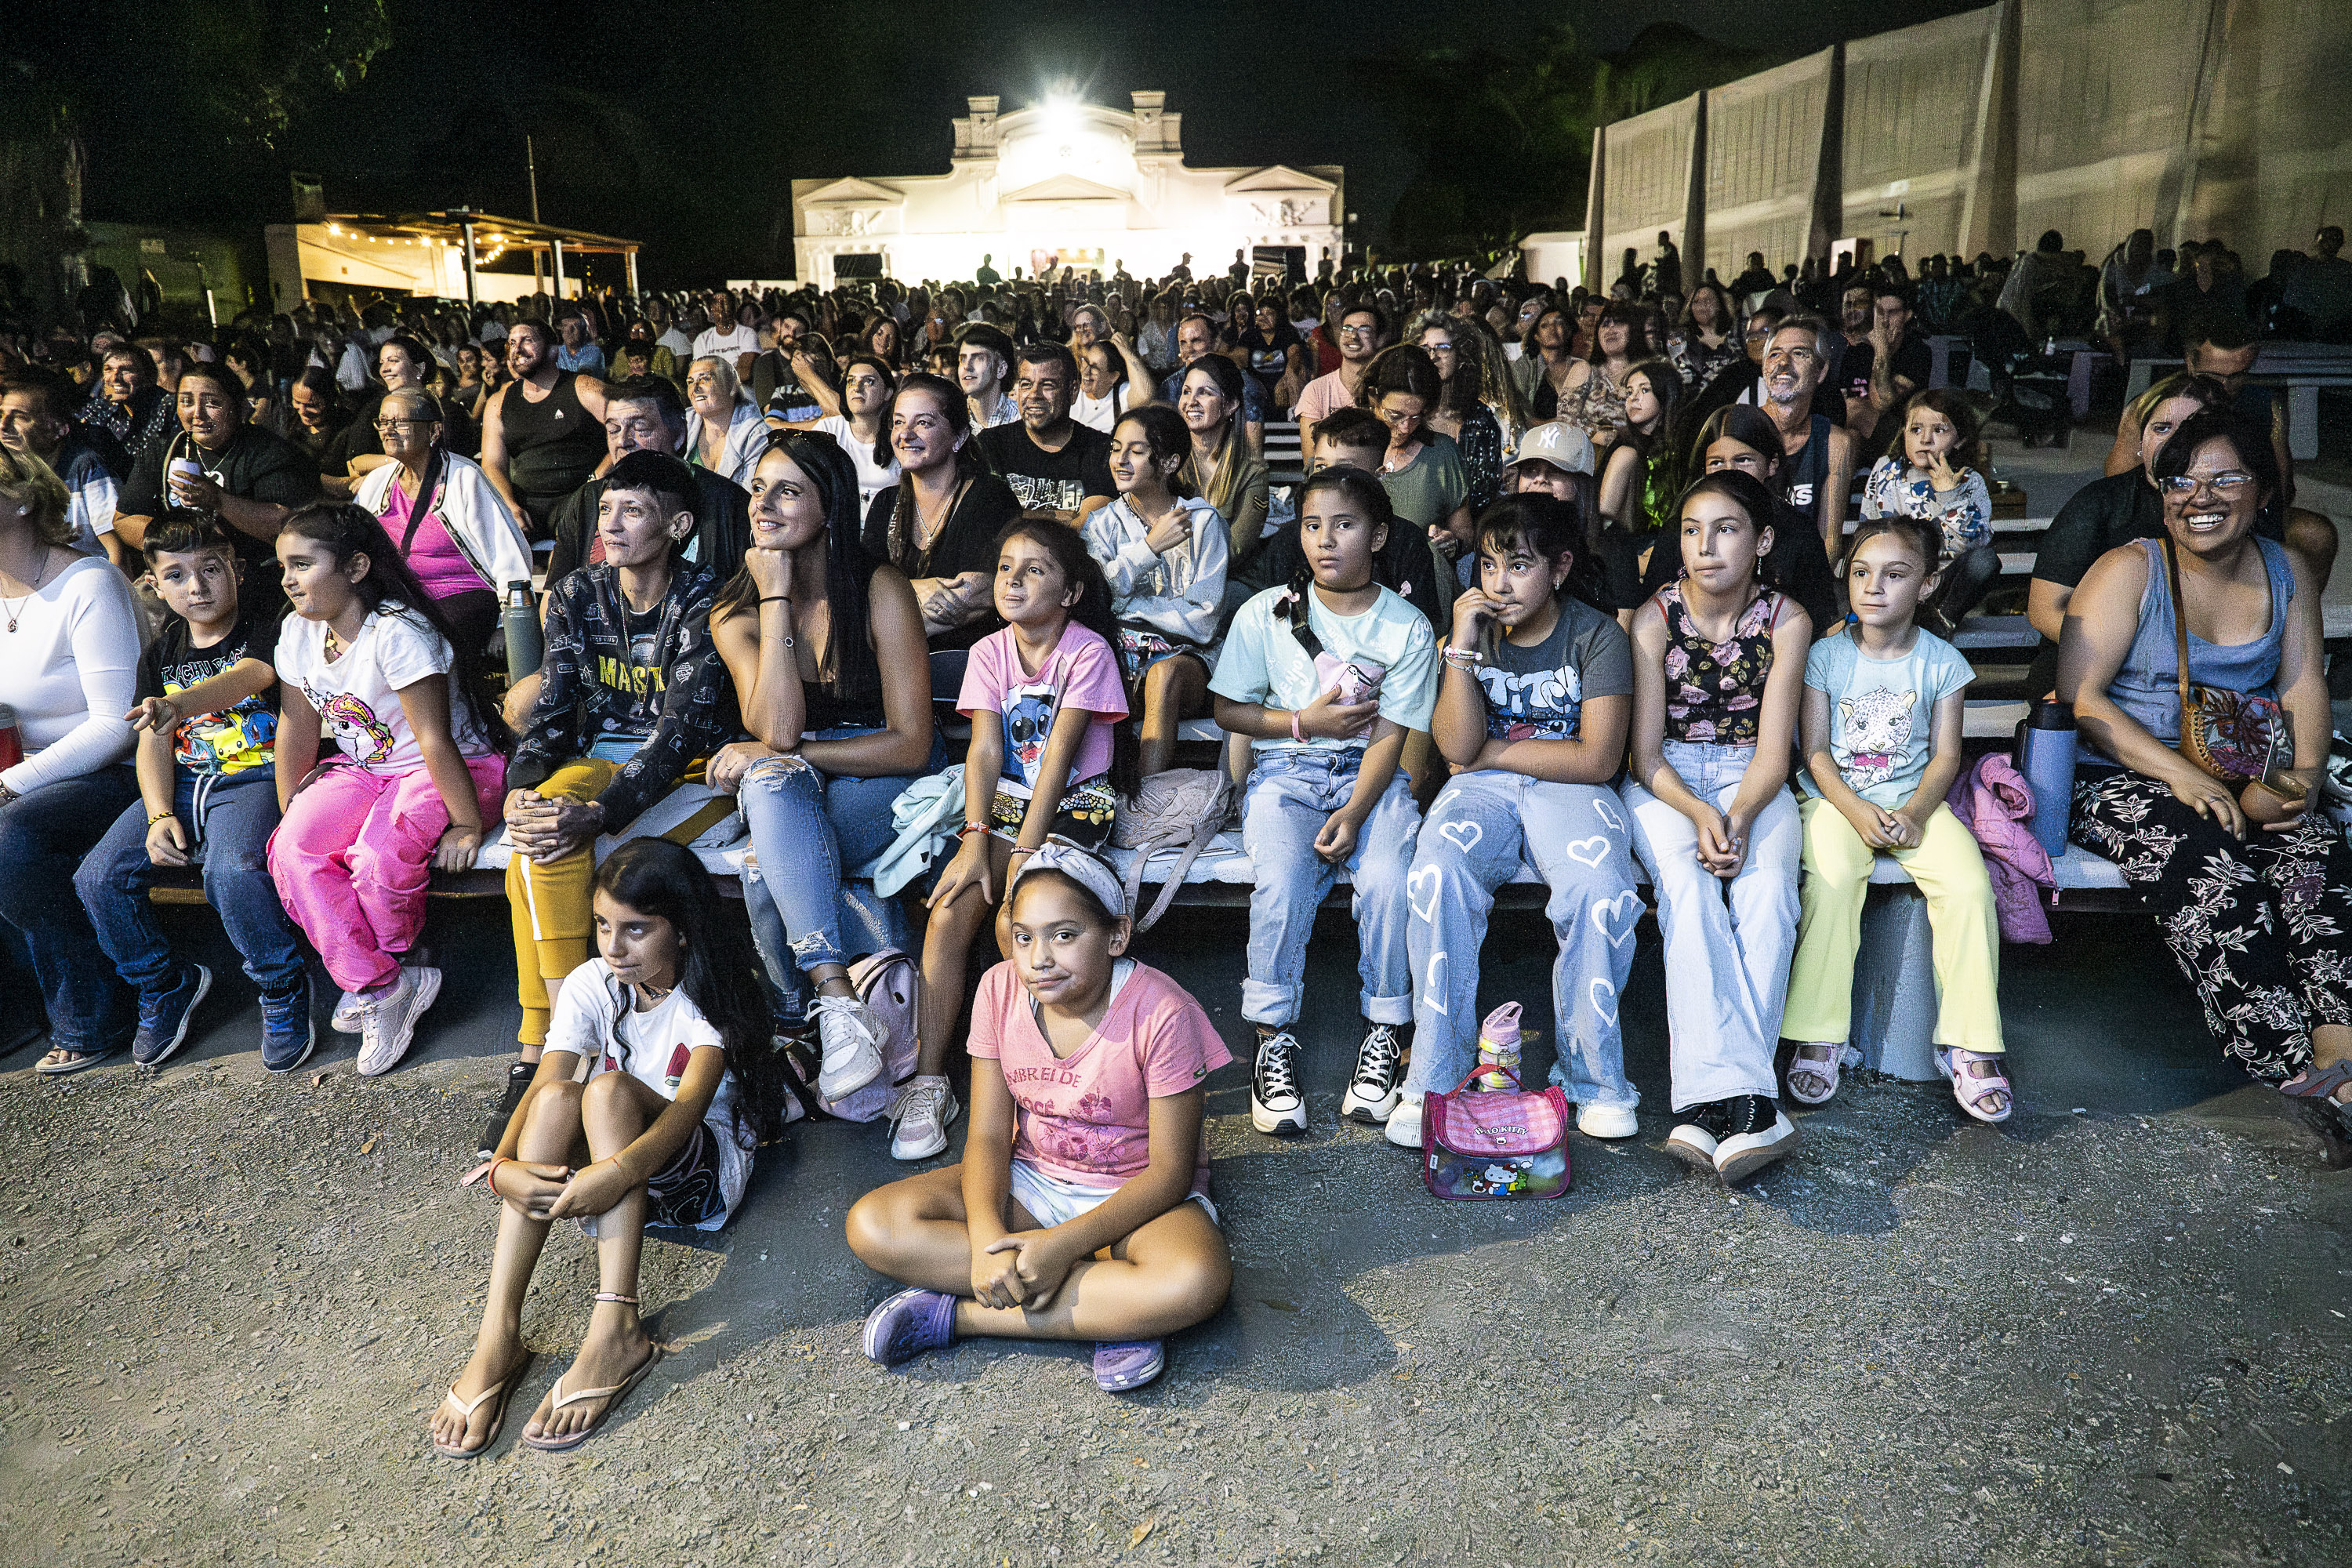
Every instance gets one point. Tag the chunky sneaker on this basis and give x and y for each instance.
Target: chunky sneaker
(287, 1033)
(164, 1016)
(851, 1038)
(1695, 1139)
(1607, 1121)
(919, 1118)
(346, 1019)
(1405, 1122)
(388, 1019)
(1128, 1364)
(908, 1324)
(1754, 1135)
(494, 1130)
(1379, 1070)
(1277, 1104)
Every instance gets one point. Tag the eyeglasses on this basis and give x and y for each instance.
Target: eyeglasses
(1358, 331)
(2227, 484)
(386, 426)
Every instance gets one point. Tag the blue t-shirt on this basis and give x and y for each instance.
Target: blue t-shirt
(1883, 711)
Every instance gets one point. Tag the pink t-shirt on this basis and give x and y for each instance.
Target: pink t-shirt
(433, 556)
(1321, 398)
(1086, 1117)
(1081, 672)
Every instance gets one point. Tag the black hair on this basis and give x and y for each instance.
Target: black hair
(1354, 429)
(1741, 422)
(1225, 373)
(345, 530)
(957, 411)
(1361, 489)
(222, 377)
(1549, 526)
(849, 669)
(1045, 351)
(661, 877)
(889, 374)
(60, 397)
(657, 390)
(1166, 432)
(668, 478)
(418, 355)
(2222, 329)
(183, 531)
(1092, 611)
(1751, 495)
(1401, 370)
(2250, 437)
(1635, 318)
(993, 339)
(1367, 308)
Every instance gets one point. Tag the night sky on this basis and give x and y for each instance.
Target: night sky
(683, 125)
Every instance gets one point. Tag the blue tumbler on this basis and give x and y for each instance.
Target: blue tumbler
(2045, 755)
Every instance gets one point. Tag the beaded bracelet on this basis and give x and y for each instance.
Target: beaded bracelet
(155, 816)
(1463, 658)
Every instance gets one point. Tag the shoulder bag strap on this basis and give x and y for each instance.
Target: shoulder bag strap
(1307, 641)
(2180, 630)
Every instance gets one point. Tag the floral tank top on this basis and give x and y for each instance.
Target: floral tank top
(1715, 690)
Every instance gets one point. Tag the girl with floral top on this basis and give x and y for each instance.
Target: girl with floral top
(1933, 476)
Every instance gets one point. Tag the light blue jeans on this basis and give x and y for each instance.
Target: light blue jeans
(1728, 946)
(1481, 829)
(1290, 795)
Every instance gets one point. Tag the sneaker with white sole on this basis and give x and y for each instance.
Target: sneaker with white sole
(1755, 1134)
(1697, 1136)
(849, 1039)
(346, 1019)
(1403, 1125)
(1607, 1121)
(1276, 1103)
(388, 1019)
(920, 1116)
(164, 1016)
(1380, 1073)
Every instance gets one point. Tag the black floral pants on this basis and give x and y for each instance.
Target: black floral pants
(2261, 926)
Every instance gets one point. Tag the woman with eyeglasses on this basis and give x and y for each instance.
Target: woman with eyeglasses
(452, 526)
(2203, 784)
(1478, 407)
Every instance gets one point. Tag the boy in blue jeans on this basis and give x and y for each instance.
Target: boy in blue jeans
(208, 790)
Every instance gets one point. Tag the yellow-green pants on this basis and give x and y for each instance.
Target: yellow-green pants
(549, 903)
(1949, 869)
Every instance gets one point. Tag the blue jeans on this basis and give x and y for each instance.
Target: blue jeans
(810, 830)
(43, 838)
(231, 831)
(1290, 795)
(1481, 829)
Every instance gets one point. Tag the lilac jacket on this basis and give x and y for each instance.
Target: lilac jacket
(1993, 801)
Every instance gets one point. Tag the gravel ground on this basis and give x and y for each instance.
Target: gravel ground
(2111, 1333)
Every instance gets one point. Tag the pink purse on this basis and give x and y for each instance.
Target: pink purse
(1479, 1145)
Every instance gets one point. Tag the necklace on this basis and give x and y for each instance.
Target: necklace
(18, 608)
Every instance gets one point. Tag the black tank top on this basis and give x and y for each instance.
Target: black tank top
(1804, 473)
(858, 669)
(551, 445)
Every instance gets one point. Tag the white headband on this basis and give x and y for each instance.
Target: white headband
(1079, 867)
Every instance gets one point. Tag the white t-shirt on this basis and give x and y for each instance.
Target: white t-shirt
(677, 342)
(358, 695)
(1102, 413)
(871, 480)
(1263, 662)
(734, 341)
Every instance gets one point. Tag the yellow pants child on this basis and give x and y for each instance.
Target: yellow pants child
(551, 902)
(1946, 867)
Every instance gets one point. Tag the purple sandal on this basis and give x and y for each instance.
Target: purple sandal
(1820, 1071)
(1987, 1098)
(1125, 1365)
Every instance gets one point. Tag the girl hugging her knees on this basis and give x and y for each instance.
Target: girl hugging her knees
(418, 773)
(1880, 732)
(1050, 754)
(1081, 1210)
(682, 1082)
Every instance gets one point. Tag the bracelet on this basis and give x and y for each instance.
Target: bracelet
(1463, 658)
(155, 816)
(491, 1180)
(969, 828)
(775, 598)
(1293, 728)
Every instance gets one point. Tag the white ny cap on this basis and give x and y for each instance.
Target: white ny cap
(1564, 446)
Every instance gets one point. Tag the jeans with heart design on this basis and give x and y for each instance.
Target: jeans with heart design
(1480, 831)
(1728, 946)
(1291, 794)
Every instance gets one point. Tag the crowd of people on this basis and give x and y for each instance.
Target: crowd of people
(1565, 585)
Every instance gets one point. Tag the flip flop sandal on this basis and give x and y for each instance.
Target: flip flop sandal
(501, 1391)
(1815, 1068)
(1973, 1091)
(79, 1064)
(612, 1396)
(2315, 1083)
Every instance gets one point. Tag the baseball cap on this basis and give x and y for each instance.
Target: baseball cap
(1564, 446)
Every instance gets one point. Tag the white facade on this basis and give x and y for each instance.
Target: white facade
(1066, 184)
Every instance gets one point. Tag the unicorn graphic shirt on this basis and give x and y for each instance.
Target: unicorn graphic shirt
(1883, 711)
(357, 695)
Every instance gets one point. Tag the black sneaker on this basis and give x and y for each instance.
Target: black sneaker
(289, 1034)
(1695, 1138)
(1380, 1073)
(1276, 1103)
(164, 1016)
(494, 1130)
(1755, 1134)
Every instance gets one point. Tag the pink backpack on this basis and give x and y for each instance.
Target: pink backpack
(1481, 1145)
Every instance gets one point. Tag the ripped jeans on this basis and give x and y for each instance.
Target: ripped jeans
(811, 830)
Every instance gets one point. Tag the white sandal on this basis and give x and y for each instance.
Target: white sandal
(1826, 1072)
(501, 1391)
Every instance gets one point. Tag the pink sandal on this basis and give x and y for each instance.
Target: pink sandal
(1985, 1096)
(1816, 1070)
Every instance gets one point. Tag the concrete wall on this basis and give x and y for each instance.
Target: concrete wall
(1976, 132)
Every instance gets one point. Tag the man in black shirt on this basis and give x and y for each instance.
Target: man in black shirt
(1404, 566)
(1055, 466)
(1888, 364)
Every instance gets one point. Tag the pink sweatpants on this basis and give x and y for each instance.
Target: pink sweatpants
(353, 853)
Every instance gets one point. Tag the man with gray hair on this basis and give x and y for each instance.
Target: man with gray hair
(1817, 472)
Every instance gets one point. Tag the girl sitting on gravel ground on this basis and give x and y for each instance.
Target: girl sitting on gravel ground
(416, 781)
(682, 1081)
(1883, 704)
(1081, 1209)
(1718, 666)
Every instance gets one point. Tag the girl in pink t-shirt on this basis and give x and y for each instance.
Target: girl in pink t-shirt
(1051, 752)
(1081, 1209)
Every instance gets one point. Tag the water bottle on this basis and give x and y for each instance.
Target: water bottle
(2045, 755)
(1498, 1047)
(12, 740)
(520, 622)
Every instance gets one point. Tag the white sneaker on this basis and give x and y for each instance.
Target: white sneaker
(919, 1118)
(1757, 1133)
(388, 1019)
(1277, 1104)
(1403, 1124)
(1380, 1075)
(1606, 1121)
(850, 1039)
(346, 1020)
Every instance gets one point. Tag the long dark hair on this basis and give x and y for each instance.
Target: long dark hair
(849, 669)
(345, 530)
(1547, 526)
(1635, 319)
(1751, 495)
(1092, 611)
(659, 877)
(901, 538)
(1361, 489)
(1164, 429)
(889, 373)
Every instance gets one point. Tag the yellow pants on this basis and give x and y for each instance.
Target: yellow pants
(551, 902)
(1949, 869)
